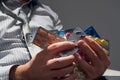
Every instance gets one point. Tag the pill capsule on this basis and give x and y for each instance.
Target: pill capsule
(106, 51)
(97, 40)
(104, 42)
(51, 36)
(59, 39)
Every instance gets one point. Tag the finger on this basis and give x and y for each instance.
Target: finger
(84, 66)
(96, 47)
(90, 54)
(61, 62)
(56, 48)
(99, 51)
(63, 71)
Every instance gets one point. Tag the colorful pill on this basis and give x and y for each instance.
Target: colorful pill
(97, 40)
(36, 42)
(59, 39)
(51, 36)
(42, 32)
(106, 51)
(104, 42)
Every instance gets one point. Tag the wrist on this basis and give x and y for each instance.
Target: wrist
(17, 72)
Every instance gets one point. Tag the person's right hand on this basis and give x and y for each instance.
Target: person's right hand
(44, 66)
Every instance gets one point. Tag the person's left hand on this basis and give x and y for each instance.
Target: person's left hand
(97, 61)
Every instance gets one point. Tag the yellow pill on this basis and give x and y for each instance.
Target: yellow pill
(59, 39)
(104, 42)
(106, 51)
(97, 40)
(91, 37)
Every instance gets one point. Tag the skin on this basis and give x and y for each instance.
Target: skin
(98, 60)
(45, 67)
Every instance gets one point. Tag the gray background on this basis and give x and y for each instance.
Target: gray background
(104, 15)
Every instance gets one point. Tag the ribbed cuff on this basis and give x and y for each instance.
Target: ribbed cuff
(4, 72)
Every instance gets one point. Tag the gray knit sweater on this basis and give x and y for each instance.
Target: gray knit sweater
(13, 49)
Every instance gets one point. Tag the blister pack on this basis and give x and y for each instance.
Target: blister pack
(44, 38)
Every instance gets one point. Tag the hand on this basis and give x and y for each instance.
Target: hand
(44, 66)
(97, 61)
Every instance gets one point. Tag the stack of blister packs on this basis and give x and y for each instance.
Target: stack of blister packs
(94, 35)
(44, 38)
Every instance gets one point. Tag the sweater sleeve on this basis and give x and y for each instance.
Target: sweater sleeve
(4, 72)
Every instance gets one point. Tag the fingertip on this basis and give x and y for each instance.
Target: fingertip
(87, 37)
(80, 42)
